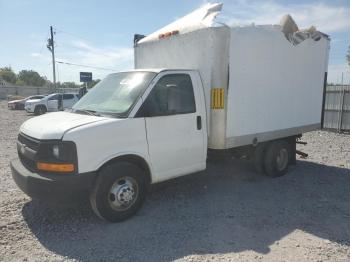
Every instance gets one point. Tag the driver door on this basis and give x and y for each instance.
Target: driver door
(175, 125)
(52, 103)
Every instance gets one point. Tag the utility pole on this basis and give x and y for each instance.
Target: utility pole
(51, 47)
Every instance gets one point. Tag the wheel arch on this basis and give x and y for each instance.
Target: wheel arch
(40, 105)
(134, 159)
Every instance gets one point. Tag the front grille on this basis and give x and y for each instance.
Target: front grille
(30, 142)
(27, 158)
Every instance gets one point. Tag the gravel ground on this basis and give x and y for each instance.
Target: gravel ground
(227, 213)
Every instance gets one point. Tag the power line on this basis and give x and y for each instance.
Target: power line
(73, 35)
(57, 30)
(88, 66)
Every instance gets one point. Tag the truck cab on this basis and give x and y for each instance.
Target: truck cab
(132, 129)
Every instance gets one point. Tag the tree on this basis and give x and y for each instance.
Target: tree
(92, 83)
(8, 75)
(20, 82)
(348, 56)
(31, 78)
(68, 85)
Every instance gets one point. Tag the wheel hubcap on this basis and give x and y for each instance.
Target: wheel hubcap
(282, 159)
(123, 193)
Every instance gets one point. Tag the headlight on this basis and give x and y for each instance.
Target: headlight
(57, 156)
(56, 151)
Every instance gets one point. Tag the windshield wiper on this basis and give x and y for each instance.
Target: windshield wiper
(87, 112)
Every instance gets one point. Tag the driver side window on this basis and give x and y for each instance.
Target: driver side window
(172, 95)
(55, 97)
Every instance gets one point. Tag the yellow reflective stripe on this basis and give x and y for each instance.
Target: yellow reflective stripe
(217, 98)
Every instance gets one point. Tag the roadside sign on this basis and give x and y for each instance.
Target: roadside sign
(85, 77)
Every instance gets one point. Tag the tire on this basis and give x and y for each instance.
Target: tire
(119, 191)
(277, 158)
(258, 159)
(40, 110)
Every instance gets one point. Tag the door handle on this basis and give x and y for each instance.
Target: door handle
(199, 123)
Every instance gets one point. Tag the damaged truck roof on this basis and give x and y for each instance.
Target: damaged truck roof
(204, 17)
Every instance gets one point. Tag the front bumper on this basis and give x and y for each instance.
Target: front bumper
(11, 106)
(52, 187)
(29, 108)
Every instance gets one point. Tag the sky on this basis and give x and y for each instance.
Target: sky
(100, 33)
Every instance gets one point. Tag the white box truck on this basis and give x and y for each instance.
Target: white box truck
(246, 91)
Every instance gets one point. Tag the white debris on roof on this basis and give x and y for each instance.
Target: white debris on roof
(200, 18)
(295, 35)
(204, 17)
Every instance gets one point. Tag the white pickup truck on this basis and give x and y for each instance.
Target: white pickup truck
(243, 91)
(51, 103)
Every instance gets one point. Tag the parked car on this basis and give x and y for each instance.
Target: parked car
(19, 104)
(51, 103)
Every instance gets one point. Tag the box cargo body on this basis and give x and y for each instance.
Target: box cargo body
(258, 85)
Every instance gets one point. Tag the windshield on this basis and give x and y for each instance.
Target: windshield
(115, 95)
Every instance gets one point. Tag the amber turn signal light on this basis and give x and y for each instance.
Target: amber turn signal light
(55, 167)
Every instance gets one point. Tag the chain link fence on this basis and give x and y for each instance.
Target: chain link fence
(337, 108)
(25, 91)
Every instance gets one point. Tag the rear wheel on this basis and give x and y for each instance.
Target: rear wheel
(39, 110)
(276, 160)
(119, 191)
(258, 158)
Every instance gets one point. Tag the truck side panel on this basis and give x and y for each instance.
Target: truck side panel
(275, 88)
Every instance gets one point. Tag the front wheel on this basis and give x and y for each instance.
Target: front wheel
(39, 110)
(276, 160)
(119, 191)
